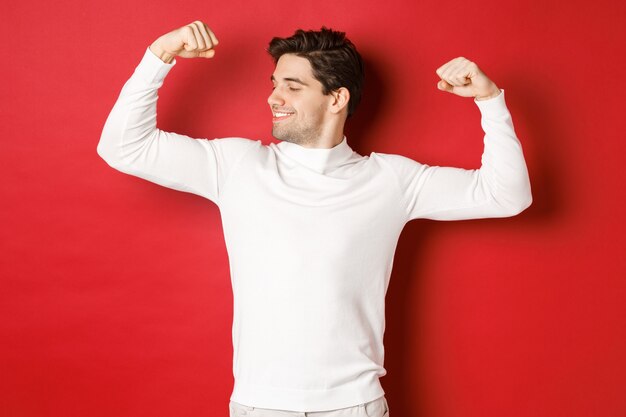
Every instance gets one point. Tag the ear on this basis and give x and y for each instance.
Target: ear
(339, 100)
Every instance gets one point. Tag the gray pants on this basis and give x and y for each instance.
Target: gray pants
(376, 408)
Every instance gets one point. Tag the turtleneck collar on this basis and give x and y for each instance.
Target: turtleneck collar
(319, 159)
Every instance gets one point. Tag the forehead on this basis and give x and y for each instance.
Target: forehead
(293, 66)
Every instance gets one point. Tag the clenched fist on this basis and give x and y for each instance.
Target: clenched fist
(190, 41)
(463, 78)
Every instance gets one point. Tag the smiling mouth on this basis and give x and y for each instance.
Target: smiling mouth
(278, 116)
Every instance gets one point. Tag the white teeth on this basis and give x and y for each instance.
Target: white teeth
(281, 114)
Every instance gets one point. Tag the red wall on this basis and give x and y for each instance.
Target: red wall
(115, 295)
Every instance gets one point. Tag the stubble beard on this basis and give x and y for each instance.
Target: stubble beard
(301, 135)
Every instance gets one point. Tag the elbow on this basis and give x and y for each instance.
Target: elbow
(111, 143)
(521, 205)
(106, 149)
(513, 196)
(509, 195)
(101, 150)
(525, 197)
(517, 203)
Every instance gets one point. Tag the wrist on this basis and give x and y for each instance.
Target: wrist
(493, 92)
(159, 52)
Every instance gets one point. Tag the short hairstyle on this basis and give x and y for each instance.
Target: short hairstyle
(333, 57)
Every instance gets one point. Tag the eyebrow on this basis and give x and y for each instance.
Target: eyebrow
(295, 80)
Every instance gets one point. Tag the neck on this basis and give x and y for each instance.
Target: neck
(330, 136)
(318, 159)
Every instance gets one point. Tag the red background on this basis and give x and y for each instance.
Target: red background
(115, 295)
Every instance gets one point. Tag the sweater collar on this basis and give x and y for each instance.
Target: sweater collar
(319, 159)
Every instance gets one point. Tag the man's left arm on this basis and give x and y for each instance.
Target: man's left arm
(500, 188)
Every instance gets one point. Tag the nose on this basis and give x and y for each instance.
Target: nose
(275, 98)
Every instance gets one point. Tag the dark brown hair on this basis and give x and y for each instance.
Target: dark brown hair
(334, 59)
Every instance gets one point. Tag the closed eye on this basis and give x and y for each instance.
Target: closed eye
(290, 88)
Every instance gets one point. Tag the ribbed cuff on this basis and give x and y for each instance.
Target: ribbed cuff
(493, 106)
(151, 69)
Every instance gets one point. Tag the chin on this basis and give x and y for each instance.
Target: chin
(285, 137)
(298, 137)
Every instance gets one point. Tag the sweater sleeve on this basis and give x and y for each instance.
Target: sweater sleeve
(131, 143)
(500, 188)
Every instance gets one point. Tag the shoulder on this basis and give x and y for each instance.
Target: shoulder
(235, 144)
(235, 141)
(396, 161)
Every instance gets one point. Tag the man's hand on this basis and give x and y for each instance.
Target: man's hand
(190, 41)
(463, 78)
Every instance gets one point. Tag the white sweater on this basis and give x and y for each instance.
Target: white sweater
(311, 236)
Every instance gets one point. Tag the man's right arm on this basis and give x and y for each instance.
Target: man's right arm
(131, 143)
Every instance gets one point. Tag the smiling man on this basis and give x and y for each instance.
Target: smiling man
(311, 226)
(306, 111)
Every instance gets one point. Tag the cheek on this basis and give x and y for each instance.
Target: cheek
(310, 107)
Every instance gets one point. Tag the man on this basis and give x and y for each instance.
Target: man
(310, 225)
